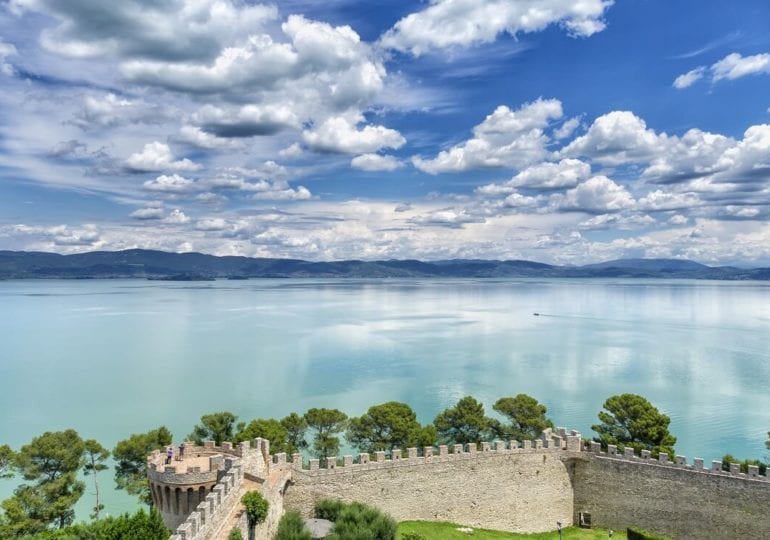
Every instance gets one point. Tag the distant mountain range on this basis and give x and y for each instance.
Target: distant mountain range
(140, 263)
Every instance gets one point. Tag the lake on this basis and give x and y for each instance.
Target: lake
(115, 357)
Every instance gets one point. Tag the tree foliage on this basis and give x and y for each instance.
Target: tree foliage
(526, 415)
(131, 461)
(51, 456)
(256, 507)
(50, 462)
(292, 527)
(139, 526)
(6, 461)
(218, 427)
(23, 513)
(463, 423)
(269, 429)
(295, 426)
(727, 459)
(631, 420)
(388, 426)
(95, 456)
(326, 423)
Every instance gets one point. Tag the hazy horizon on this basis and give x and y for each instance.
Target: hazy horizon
(625, 259)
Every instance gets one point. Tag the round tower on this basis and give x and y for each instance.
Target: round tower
(178, 487)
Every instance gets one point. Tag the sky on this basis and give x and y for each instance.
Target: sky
(561, 131)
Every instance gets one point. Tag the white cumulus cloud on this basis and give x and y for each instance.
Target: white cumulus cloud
(615, 138)
(246, 121)
(598, 194)
(734, 66)
(446, 23)
(170, 184)
(688, 79)
(340, 134)
(173, 29)
(176, 217)
(566, 129)
(157, 156)
(565, 173)
(731, 67)
(543, 176)
(506, 138)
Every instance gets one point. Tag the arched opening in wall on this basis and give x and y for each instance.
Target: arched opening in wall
(190, 501)
(177, 500)
(201, 494)
(167, 499)
(157, 496)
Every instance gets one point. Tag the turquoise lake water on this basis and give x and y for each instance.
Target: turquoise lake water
(110, 358)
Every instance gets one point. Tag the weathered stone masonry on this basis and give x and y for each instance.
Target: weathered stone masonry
(195, 502)
(524, 487)
(502, 486)
(677, 499)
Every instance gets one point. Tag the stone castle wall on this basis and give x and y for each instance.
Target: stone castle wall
(522, 487)
(676, 499)
(505, 486)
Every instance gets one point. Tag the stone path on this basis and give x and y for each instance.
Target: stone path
(271, 486)
(235, 511)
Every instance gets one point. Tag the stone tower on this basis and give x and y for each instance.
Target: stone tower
(179, 487)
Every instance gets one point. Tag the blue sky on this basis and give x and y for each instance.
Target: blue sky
(552, 130)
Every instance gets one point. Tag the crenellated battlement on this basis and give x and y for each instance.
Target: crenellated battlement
(209, 514)
(566, 443)
(680, 462)
(561, 442)
(179, 487)
(561, 471)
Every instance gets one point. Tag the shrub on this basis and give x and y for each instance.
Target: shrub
(360, 522)
(292, 527)
(727, 459)
(139, 526)
(412, 536)
(635, 533)
(256, 507)
(235, 534)
(328, 509)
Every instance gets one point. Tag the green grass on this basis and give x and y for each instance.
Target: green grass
(436, 530)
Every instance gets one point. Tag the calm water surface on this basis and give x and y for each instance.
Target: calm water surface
(110, 358)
